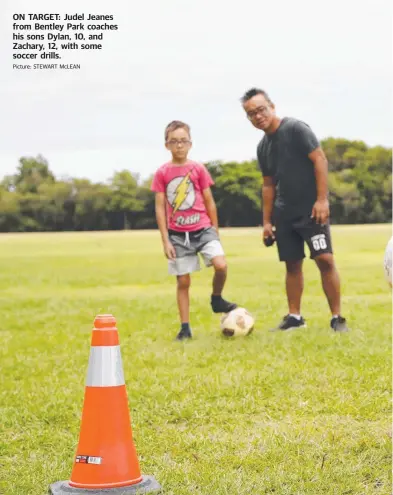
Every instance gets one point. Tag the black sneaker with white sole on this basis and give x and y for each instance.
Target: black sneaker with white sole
(290, 323)
(220, 305)
(339, 324)
(184, 334)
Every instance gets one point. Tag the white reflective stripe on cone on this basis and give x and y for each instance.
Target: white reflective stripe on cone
(105, 367)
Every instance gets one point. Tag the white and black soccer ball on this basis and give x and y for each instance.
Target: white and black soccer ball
(387, 261)
(237, 323)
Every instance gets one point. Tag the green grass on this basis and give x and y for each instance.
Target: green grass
(300, 413)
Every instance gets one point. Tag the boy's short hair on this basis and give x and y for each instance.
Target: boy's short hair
(176, 124)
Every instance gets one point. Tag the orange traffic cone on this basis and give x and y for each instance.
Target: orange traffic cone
(106, 458)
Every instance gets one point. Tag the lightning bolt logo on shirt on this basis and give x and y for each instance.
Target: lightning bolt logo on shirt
(181, 192)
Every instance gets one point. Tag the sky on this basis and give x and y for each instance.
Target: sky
(327, 63)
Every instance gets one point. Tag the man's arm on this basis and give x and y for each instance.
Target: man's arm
(210, 206)
(309, 145)
(162, 225)
(321, 208)
(268, 194)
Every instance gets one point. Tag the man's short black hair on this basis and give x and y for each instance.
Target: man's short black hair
(253, 92)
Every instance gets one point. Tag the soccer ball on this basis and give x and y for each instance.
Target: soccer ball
(387, 261)
(237, 323)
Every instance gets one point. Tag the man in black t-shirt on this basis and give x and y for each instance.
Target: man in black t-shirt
(295, 203)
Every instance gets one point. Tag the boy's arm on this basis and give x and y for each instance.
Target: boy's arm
(169, 250)
(210, 206)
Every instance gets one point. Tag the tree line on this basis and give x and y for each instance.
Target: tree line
(32, 200)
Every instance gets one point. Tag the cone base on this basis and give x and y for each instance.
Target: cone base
(147, 485)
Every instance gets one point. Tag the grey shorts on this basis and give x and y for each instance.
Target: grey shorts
(188, 247)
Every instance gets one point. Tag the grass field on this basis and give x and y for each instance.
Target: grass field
(286, 414)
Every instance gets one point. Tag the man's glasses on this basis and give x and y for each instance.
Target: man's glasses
(262, 110)
(176, 142)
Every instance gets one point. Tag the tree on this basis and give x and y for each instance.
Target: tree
(91, 205)
(31, 173)
(126, 205)
(10, 214)
(237, 192)
(147, 219)
(360, 181)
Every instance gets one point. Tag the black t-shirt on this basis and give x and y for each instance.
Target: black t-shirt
(284, 156)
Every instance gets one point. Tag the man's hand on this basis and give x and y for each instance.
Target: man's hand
(169, 250)
(321, 211)
(268, 234)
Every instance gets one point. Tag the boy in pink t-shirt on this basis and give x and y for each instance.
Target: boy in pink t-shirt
(187, 218)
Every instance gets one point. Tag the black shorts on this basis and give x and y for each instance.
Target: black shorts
(292, 234)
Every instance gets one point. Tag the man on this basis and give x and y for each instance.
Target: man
(295, 203)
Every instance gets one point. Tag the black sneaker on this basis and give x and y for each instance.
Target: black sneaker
(220, 305)
(290, 323)
(185, 333)
(339, 324)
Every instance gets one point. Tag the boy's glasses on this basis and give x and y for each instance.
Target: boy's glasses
(175, 142)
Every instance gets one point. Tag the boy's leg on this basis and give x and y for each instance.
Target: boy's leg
(185, 263)
(220, 274)
(183, 302)
(183, 297)
(213, 255)
(218, 304)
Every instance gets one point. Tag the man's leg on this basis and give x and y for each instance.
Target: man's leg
(319, 241)
(290, 247)
(294, 284)
(330, 281)
(331, 286)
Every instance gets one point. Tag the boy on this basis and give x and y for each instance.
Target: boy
(187, 218)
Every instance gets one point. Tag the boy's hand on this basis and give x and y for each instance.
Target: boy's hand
(169, 251)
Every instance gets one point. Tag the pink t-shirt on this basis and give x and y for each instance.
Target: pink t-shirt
(183, 186)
